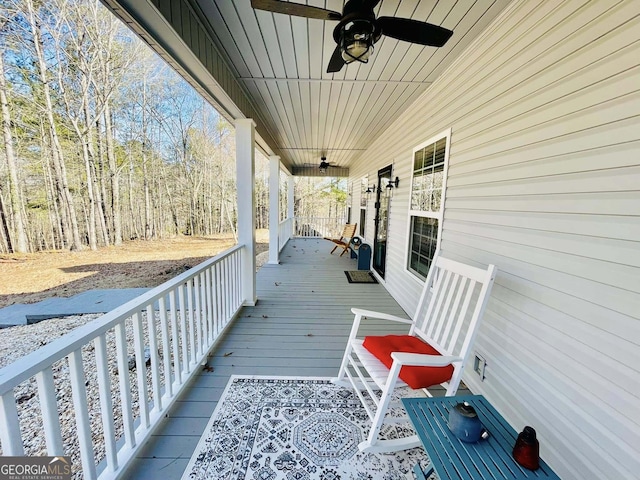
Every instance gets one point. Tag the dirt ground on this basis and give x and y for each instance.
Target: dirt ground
(29, 278)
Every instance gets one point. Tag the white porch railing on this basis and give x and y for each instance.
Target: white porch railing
(285, 229)
(318, 227)
(166, 333)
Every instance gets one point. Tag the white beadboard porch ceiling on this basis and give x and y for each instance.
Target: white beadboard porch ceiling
(281, 63)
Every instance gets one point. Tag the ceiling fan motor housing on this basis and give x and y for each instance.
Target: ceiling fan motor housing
(356, 32)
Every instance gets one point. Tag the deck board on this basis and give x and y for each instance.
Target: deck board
(304, 304)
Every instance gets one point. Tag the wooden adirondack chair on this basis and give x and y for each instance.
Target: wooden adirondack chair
(345, 239)
(434, 352)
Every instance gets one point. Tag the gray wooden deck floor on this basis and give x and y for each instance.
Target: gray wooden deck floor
(298, 328)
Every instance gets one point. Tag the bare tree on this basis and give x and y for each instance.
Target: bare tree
(69, 217)
(15, 201)
(77, 60)
(108, 80)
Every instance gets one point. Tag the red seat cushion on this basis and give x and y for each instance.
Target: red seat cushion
(415, 377)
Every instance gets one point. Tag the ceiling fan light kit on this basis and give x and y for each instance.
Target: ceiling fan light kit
(358, 28)
(357, 50)
(356, 41)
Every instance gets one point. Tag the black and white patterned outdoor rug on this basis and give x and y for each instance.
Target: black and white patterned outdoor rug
(294, 429)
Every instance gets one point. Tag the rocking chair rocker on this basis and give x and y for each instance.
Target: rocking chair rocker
(434, 352)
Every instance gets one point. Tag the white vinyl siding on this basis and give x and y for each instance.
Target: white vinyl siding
(544, 182)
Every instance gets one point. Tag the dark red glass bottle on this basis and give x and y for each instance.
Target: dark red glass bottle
(527, 449)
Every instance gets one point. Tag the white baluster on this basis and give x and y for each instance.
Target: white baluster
(83, 426)
(174, 337)
(198, 314)
(217, 289)
(225, 294)
(141, 370)
(204, 310)
(10, 426)
(50, 417)
(153, 350)
(183, 330)
(124, 384)
(210, 305)
(166, 352)
(106, 405)
(192, 323)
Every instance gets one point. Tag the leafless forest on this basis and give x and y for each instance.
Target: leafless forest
(102, 142)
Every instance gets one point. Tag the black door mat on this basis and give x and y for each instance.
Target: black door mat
(360, 276)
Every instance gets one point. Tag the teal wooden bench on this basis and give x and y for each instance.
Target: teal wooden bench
(453, 459)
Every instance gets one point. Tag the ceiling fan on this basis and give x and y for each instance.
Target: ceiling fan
(358, 28)
(324, 165)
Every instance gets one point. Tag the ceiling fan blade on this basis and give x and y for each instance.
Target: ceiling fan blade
(371, 4)
(337, 62)
(295, 9)
(414, 31)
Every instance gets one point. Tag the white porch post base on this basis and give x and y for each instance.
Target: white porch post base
(245, 170)
(274, 212)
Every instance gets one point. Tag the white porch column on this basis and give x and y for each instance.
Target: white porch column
(245, 172)
(274, 213)
(290, 203)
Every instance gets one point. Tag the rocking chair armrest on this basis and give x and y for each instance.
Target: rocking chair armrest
(424, 360)
(380, 315)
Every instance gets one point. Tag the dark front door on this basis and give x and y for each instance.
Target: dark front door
(383, 195)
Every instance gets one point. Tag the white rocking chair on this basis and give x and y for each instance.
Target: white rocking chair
(434, 352)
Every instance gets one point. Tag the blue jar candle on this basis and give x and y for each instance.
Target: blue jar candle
(464, 423)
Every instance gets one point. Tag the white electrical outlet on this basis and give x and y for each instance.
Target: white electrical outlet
(479, 365)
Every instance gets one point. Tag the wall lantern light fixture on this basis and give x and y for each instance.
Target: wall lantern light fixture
(393, 183)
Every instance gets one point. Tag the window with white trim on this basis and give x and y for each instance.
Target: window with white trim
(430, 161)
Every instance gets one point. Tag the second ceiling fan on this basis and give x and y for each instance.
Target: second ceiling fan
(358, 28)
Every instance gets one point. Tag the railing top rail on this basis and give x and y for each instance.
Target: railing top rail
(26, 367)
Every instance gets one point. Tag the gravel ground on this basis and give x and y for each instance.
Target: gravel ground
(261, 259)
(21, 340)
(24, 339)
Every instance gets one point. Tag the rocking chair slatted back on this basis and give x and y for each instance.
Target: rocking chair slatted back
(443, 309)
